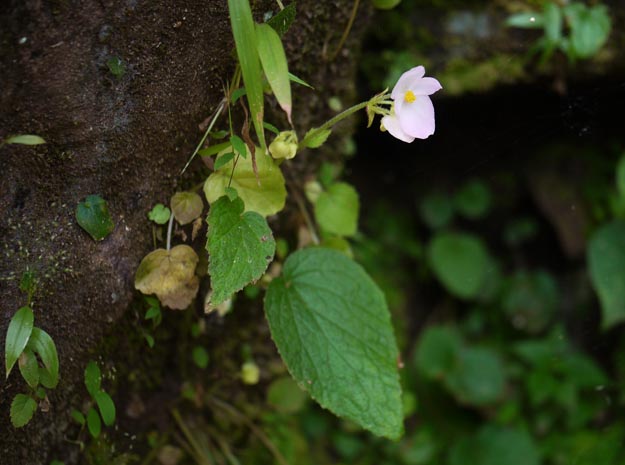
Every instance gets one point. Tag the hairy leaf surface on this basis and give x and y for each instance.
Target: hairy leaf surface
(332, 327)
(240, 246)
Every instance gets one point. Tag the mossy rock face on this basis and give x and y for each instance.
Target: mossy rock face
(124, 136)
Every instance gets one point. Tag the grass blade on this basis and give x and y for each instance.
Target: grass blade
(273, 59)
(244, 33)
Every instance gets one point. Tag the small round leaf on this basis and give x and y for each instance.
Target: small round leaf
(186, 206)
(94, 217)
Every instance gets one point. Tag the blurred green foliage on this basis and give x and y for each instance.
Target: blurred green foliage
(495, 375)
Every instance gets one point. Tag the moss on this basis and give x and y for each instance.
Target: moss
(462, 76)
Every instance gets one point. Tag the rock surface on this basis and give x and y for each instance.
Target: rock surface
(125, 138)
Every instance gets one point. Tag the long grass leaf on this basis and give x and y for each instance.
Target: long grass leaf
(276, 68)
(244, 33)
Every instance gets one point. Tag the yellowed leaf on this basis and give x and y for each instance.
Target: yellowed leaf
(186, 206)
(170, 275)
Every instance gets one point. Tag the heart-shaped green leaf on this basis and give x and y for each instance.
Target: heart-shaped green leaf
(240, 247)
(22, 409)
(94, 217)
(332, 327)
(265, 194)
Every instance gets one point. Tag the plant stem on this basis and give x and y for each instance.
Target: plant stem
(331, 122)
(218, 111)
(348, 28)
(169, 229)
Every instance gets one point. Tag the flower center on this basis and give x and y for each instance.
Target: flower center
(410, 97)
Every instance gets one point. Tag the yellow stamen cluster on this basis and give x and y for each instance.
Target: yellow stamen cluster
(410, 97)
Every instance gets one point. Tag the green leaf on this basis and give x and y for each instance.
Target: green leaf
(620, 176)
(316, 137)
(159, 214)
(337, 209)
(236, 95)
(200, 357)
(223, 160)
(238, 146)
(332, 327)
(386, 4)
(271, 127)
(473, 201)
(106, 407)
(282, 21)
(530, 300)
(299, 81)
(275, 66)
(213, 149)
(460, 263)
(285, 396)
(186, 206)
(240, 247)
(232, 193)
(552, 15)
(436, 210)
(22, 409)
(29, 368)
(606, 262)
(28, 283)
(244, 33)
(153, 313)
(78, 417)
(94, 217)
(527, 20)
(265, 195)
(590, 28)
(478, 378)
(149, 339)
(93, 378)
(42, 344)
(438, 351)
(18, 333)
(25, 139)
(494, 445)
(116, 66)
(94, 425)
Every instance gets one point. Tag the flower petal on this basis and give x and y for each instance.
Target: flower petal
(391, 124)
(426, 86)
(403, 84)
(416, 119)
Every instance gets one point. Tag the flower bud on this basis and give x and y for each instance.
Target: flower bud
(284, 145)
(250, 373)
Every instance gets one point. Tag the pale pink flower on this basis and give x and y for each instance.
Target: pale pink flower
(413, 113)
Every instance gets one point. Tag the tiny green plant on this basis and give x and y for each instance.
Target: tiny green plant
(105, 411)
(577, 30)
(23, 139)
(320, 288)
(154, 315)
(93, 215)
(116, 66)
(34, 352)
